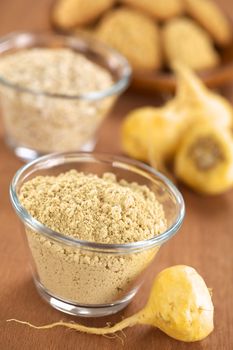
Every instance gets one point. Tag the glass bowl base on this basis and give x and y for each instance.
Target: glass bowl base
(81, 309)
(27, 154)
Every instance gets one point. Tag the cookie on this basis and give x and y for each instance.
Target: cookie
(71, 13)
(159, 9)
(186, 42)
(210, 16)
(133, 34)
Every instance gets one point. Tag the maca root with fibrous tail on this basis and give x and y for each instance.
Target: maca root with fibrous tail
(177, 291)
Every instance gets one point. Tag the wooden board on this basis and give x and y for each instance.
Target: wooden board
(204, 242)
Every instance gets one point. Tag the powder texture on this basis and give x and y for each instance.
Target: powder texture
(48, 124)
(94, 209)
(98, 209)
(60, 71)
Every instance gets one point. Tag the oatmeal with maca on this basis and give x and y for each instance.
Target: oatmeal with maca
(95, 209)
(36, 119)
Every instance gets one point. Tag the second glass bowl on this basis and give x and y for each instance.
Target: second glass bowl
(87, 278)
(39, 122)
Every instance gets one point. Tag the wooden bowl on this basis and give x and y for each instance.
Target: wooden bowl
(164, 80)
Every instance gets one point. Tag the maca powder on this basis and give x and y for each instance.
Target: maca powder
(95, 209)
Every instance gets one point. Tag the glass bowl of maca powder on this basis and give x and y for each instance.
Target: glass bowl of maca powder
(56, 90)
(93, 225)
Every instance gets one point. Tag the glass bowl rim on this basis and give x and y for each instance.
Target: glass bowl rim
(88, 245)
(116, 88)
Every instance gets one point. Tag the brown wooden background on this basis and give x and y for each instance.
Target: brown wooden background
(205, 242)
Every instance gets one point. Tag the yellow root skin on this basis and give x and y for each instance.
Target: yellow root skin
(135, 132)
(195, 100)
(179, 304)
(212, 180)
(165, 134)
(152, 135)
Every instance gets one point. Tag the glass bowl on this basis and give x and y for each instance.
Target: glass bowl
(87, 278)
(37, 122)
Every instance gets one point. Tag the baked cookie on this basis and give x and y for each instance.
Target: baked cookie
(210, 16)
(133, 34)
(186, 42)
(70, 13)
(159, 9)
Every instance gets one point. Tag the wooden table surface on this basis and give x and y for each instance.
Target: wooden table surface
(204, 242)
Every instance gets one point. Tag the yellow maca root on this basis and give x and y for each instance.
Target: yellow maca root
(179, 304)
(155, 135)
(197, 102)
(151, 134)
(135, 132)
(204, 160)
(165, 132)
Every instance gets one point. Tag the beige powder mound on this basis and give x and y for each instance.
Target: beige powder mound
(94, 209)
(48, 124)
(99, 209)
(57, 71)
